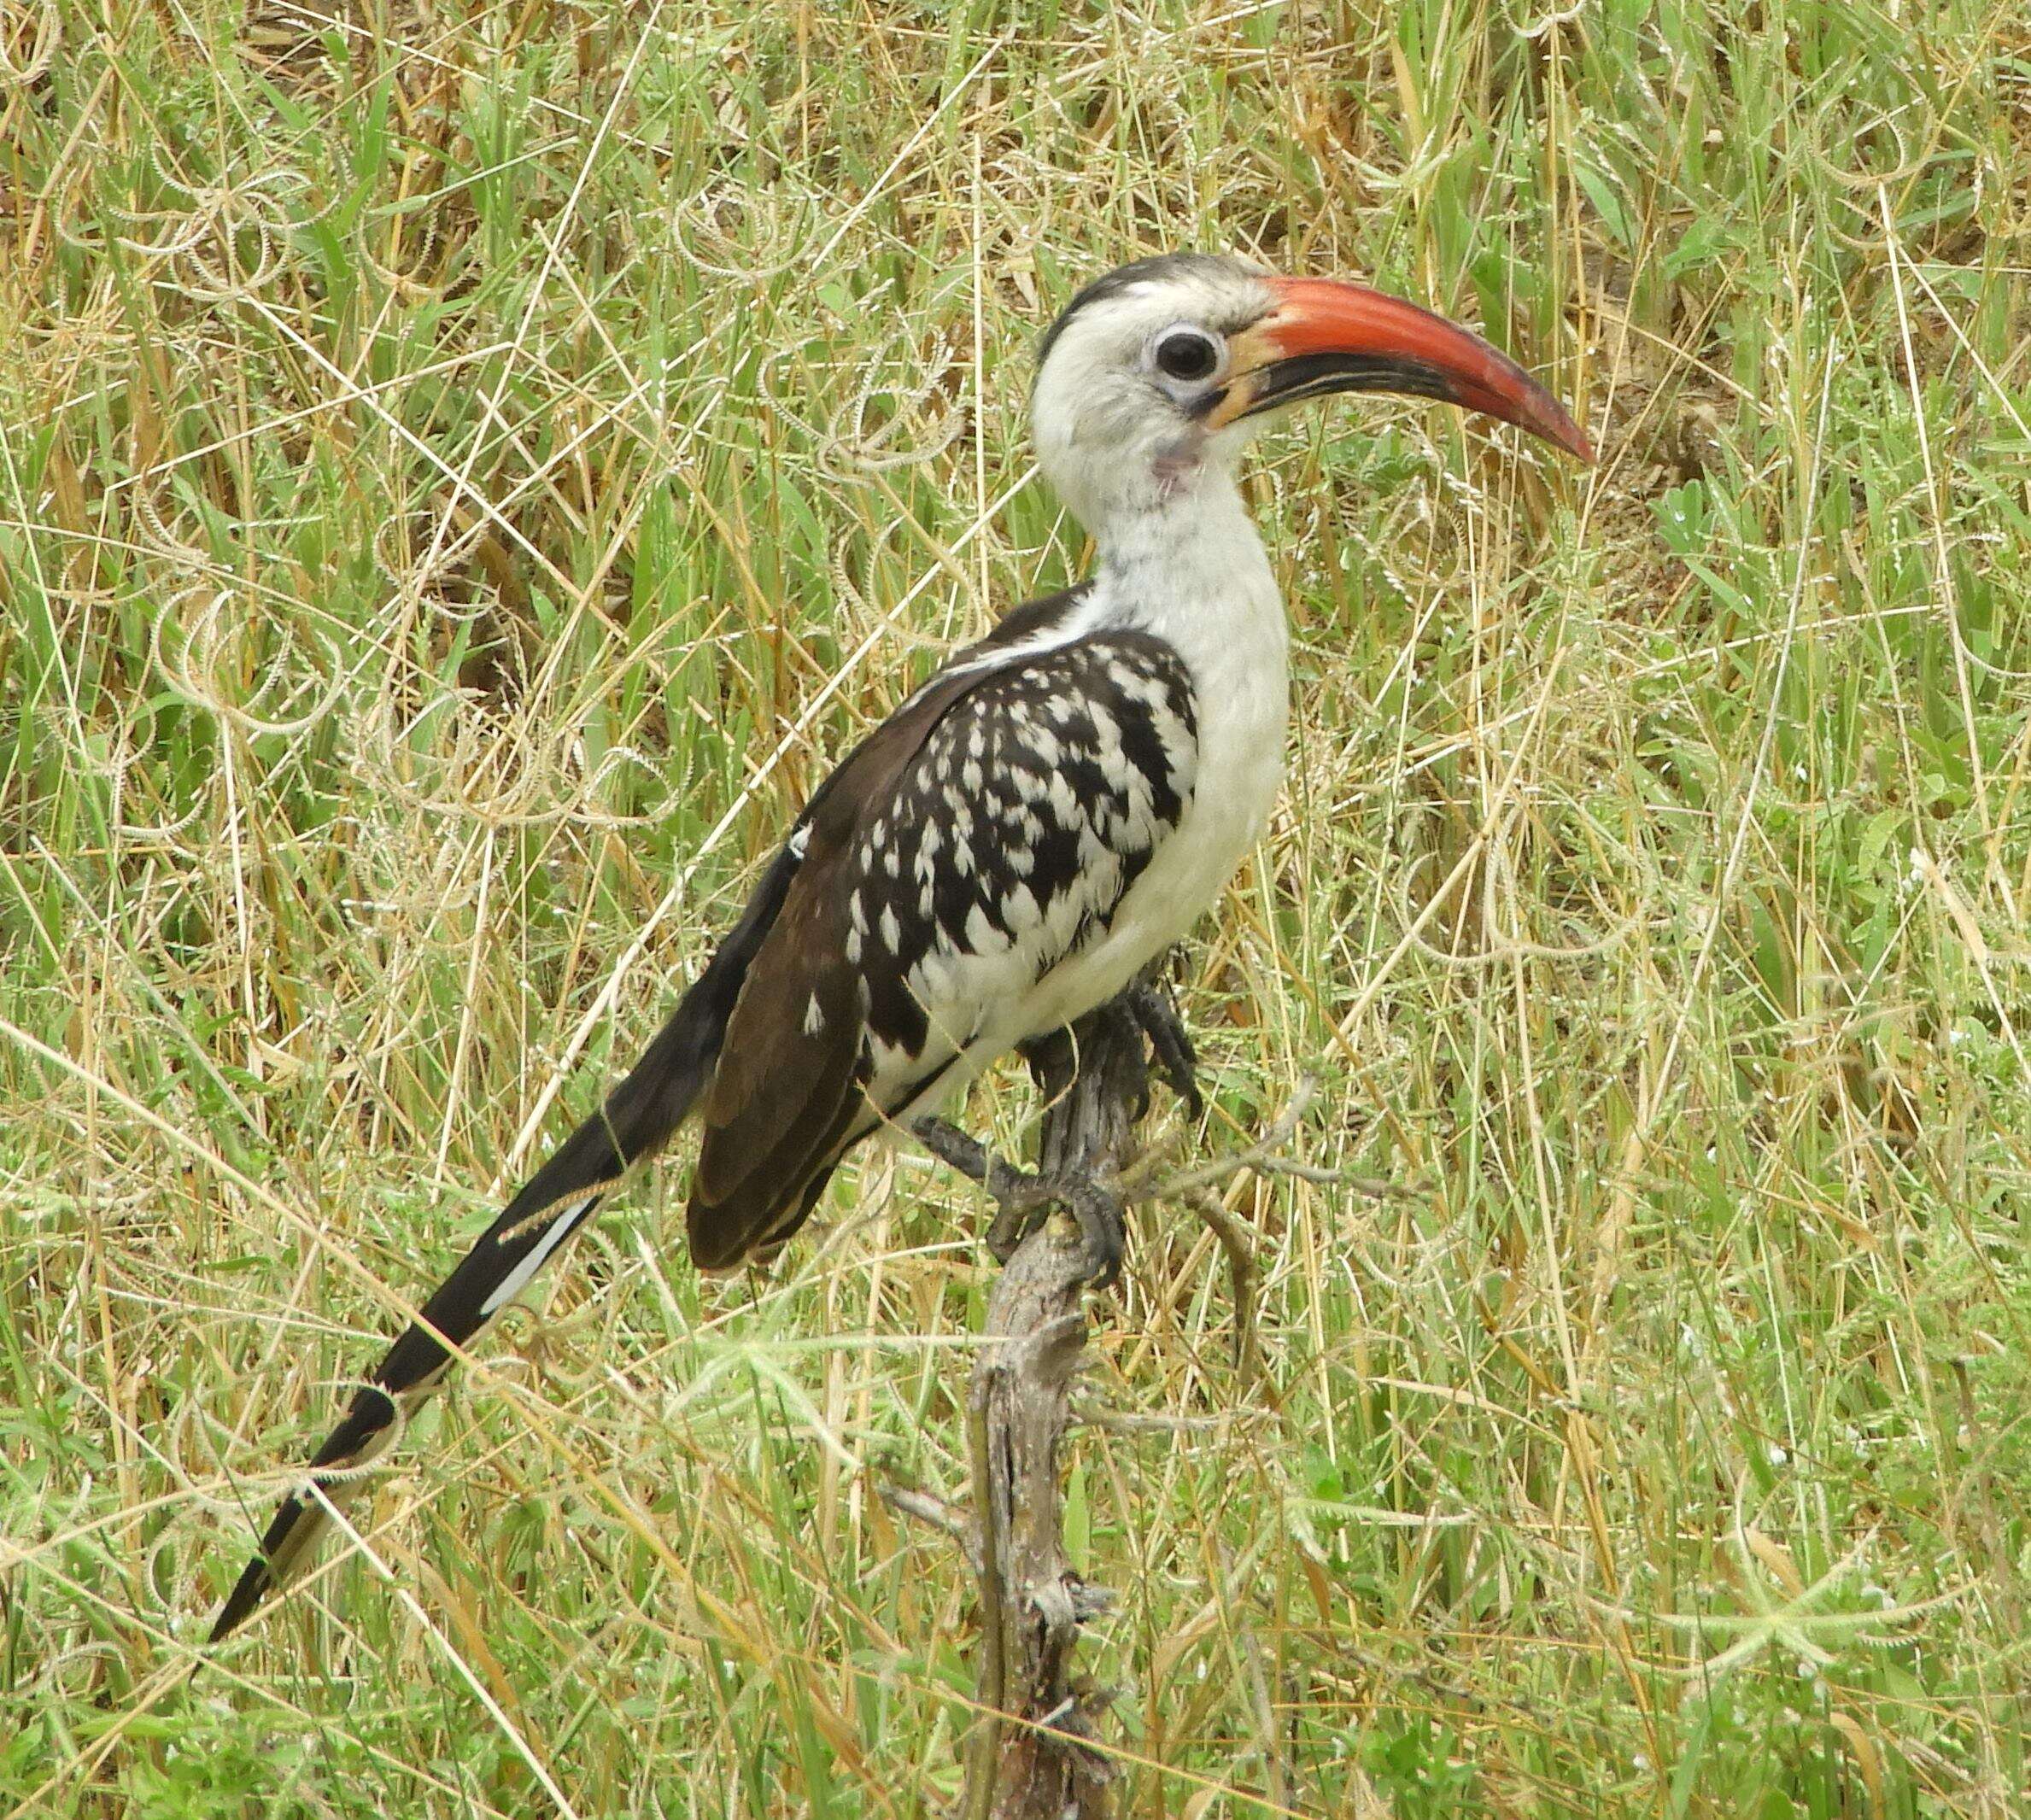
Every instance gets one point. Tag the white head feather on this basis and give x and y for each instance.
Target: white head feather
(1116, 434)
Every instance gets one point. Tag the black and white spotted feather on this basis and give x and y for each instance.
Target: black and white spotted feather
(1031, 810)
(931, 913)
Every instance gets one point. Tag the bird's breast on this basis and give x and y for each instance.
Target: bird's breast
(1243, 710)
(1230, 643)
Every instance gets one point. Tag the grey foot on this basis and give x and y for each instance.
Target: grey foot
(1025, 1200)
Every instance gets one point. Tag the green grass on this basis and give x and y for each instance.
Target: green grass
(465, 476)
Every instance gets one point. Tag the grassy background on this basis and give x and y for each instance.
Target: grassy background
(466, 472)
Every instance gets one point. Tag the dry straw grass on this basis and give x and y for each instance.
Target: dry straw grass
(467, 471)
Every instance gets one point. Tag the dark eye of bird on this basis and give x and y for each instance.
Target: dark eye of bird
(1187, 355)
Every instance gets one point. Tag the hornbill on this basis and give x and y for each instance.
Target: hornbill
(1009, 850)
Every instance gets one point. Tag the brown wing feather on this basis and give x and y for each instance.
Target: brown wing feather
(792, 1051)
(782, 1110)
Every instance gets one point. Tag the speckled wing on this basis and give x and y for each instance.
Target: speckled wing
(958, 863)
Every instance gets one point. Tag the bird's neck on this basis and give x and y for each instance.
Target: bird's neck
(1191, 568)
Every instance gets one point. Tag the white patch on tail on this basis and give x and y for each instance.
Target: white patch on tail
(563, 1223)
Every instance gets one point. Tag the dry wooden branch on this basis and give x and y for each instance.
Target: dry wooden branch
(1033, 1755)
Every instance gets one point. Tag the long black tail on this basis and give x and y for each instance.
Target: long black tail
(640, 1116)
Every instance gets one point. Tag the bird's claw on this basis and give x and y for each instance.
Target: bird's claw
(1100, 1229)
(1025, 1200)
(1013, 1224)
(1094, 1209)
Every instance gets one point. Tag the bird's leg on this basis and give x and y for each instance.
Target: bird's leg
(1153, 1010)
(1131, 1060)
(1024, 1200)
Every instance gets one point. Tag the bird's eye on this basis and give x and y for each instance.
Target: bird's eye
(1187, 354)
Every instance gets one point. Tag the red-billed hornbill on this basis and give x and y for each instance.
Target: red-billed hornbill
(1007, 851)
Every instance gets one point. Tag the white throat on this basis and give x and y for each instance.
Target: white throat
(1191, 569)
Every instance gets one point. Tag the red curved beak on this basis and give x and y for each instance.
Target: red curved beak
(1327, 336)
